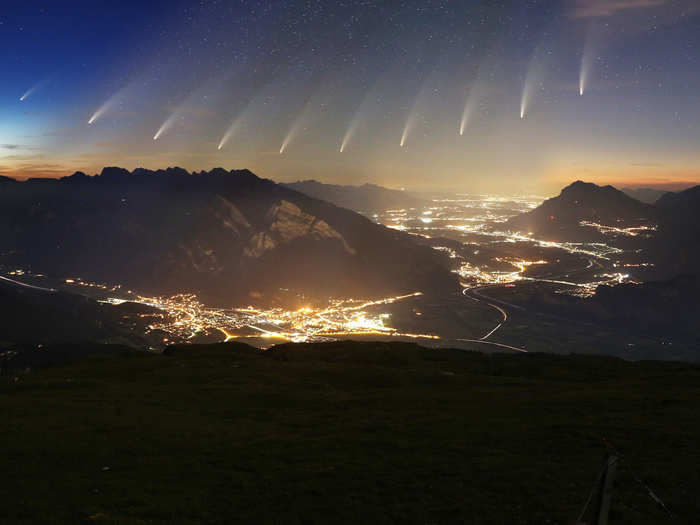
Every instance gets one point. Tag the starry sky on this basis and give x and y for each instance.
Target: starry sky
(520, 96)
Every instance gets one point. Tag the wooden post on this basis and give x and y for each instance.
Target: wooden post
(606, 491)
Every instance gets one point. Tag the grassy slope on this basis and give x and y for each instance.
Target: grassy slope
(344, 433)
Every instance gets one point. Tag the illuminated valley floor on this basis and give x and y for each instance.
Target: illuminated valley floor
(469, 229)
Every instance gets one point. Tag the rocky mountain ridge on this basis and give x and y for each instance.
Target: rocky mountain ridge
(227, 235)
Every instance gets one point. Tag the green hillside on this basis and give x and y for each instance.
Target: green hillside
(345, 433)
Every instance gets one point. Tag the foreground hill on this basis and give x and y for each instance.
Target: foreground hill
(345, 433)
(365, 198)
(228, 236)
(560, 217)
(39, 316)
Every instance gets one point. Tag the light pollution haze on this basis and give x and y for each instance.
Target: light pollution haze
(415, 94)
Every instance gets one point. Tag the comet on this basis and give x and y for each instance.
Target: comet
(465, 118)
(525, 99)
(586, 61)
(407, 128)
(304, 119)
(233, 128)
(536, 72)
(100, 111)
(293, 131)
(30, 92)
(469, 107)
(166, 125)
(349, 133)
(288, 137)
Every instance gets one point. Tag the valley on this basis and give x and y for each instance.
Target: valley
(516, 287)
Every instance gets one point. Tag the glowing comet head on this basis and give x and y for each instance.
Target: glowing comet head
(99, 112)
(408, 127)
(166, 125)
(582, 77)
(469, 108)
(349, 133)
(406, 130)
(233, 128)
(525, 100)
(28, 93)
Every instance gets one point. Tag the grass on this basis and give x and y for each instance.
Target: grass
(345, 433)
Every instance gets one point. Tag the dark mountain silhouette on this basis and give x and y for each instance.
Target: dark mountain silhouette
(674, 248)
(225, 235)
(368, 197)
(677, 244)
(648, 195)
(32, 315)
(560, 217)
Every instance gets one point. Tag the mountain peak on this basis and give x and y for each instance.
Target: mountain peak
(583, 201)
(580, 187)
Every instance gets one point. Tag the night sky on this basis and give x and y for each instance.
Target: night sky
(281, 87)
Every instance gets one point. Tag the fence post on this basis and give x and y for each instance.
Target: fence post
(606, 491)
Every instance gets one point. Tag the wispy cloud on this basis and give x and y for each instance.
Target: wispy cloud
(28, 170)
(605, 8)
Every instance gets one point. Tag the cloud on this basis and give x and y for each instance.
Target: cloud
(25, 171)
(645, 164)
(11, 146)
(604, 8)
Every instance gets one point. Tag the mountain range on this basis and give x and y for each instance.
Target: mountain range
(229, 236)
(672, 241)
(648, 195)
(364, 198)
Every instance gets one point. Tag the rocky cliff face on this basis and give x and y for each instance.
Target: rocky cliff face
(287, 223)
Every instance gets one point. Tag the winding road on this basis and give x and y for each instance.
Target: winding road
(475, 295)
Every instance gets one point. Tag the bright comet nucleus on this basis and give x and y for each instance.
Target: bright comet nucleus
(229, 133)
(348, 134)
(98, 113)
(165, 126)
(406, 130)
(586, 60)
(468, 110)
(525, 99)
(27, 93)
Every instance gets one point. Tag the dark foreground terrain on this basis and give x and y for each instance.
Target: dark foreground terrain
(345, 433)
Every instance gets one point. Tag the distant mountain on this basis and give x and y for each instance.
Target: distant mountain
(560, 217)
(365, 198)
(648, 195)
(7, 180)
(677, 245)
(228, 236)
